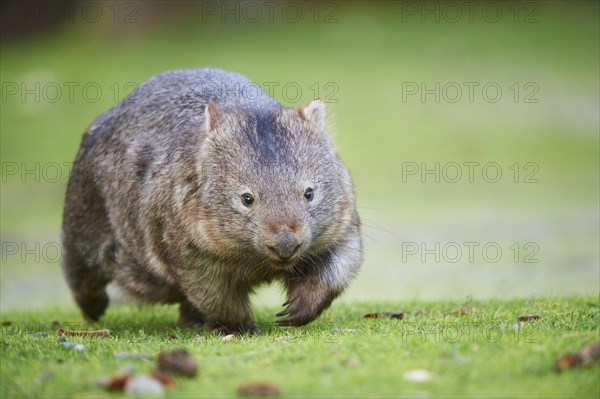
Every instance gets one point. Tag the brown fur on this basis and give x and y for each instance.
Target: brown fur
(154, 203)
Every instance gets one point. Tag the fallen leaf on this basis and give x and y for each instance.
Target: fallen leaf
(528, 317)
(568, 361)
(117, 382)
(165, 378)
(394, 315)
(390, 314)
(97, 333)
(587, 355)
(178, 361)
(371, 315)
(258, 389)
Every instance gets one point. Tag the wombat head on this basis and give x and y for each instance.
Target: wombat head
(273, 188)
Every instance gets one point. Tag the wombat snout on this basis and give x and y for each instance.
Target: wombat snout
(285, 243)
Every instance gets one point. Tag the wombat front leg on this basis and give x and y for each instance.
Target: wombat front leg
(312, 289)
(224, 308)
(308, 296)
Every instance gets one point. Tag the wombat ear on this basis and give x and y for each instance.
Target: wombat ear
(211, 115)
(314, 112)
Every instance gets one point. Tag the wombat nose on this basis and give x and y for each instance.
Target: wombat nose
(285, 244)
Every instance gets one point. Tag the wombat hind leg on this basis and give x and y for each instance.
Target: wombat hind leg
(93, 306)
(189, 316)
(87, 282)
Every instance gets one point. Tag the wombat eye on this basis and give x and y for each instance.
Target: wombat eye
(247, 199)
(308, 194)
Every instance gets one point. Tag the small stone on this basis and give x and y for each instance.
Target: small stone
(418, 375)
(228, 338)
(140, 385)
(73, 345)
(178, 361)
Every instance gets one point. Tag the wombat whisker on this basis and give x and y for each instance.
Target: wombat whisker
(371, 238)
(373, 209)
(373, 225)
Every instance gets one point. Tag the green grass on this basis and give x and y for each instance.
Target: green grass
(340, 355)
(368, 54)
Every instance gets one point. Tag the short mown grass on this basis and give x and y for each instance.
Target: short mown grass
(475, 354)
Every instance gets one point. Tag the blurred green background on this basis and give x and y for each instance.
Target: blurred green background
(390, 73)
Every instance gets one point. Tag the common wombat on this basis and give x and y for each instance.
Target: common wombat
(197, 188)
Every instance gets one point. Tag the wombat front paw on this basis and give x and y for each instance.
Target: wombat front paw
(298, 313)
(222, 329)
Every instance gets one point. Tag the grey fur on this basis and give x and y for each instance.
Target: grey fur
(154, 203)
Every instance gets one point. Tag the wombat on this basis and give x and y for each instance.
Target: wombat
(197, 188)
